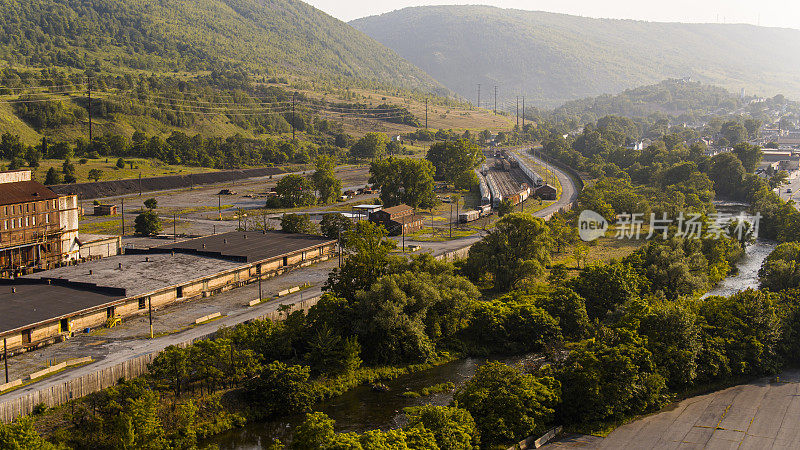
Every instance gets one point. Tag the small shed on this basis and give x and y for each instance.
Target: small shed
(546, 192)
(105, 210)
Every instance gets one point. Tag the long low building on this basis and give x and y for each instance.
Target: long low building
(48, 306)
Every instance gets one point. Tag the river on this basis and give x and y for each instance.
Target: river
(361, 409)
(754, 256)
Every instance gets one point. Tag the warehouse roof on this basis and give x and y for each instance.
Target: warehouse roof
(23, 192)
(248, 246)
(35, 302)
(139, 274)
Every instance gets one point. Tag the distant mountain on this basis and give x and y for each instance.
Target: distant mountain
(553, 58)
(252, 36)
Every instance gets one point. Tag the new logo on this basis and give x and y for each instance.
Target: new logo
(591, 226)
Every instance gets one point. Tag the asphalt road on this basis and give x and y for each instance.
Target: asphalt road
(764, 414)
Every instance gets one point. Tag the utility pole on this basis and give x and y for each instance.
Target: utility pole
(495, 100)
(122, 215)
(426, 113)
(479, 95)
(150, 308)
(451, 218)
(523, 112)
(293, 119)
(260, 292)
(517, 111)
(219, 205)
(5, 357)
(140, 184)
(174, 226)
(89, 84)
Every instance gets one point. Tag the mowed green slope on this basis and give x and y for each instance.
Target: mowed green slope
(253, 36)
(552, 58)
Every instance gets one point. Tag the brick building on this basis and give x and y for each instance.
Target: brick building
(398, 219)
(38, 228)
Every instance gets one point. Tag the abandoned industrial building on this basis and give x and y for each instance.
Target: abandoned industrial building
(49, 306)
(38, 228)
(398, 219)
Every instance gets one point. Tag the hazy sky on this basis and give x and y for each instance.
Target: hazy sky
(775, 13)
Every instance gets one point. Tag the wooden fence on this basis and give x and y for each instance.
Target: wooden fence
(75, 388)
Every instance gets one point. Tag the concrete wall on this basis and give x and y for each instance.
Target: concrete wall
(101, 248)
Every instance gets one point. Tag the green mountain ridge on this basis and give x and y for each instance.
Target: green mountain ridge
(251, 36)
(554, 58)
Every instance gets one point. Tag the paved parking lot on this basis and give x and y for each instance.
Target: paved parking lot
(764, 414)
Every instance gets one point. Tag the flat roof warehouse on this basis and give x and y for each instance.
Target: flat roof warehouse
(87, 294)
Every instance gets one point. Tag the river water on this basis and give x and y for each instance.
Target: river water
(361, 409)
(748, 266)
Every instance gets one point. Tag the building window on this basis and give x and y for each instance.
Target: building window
(33, 220)
(285, 260)
(26, 336)
(142, 303)
(47, 218)
(65, 325)
(34, 207)
(5, 224)
(27, 208)
(26, 221)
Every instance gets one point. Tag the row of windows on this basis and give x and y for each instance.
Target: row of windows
(25, 208)
(22, 222)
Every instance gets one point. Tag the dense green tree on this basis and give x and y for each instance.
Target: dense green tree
(610, 376)
(330, 353)
(402, 316)
(740, 336)
(606, 286)
(95, 174)
(68, 169)
(518, 247)
(53, 176)
(297, 223)
(371, 146)
(368, 257)
(453, 428)
(511, 325)
(329, 188)
(454, 161)
(734, 132)
(508, 405)
(335, 225)
(404, 180)
(295, 190)
(781, 269)
(672, 330)
(147, 223)
(22, 435)
(727, 173)
(505, 207)
(749, 155)
(151, 203)
(281, 389)
(171, 367)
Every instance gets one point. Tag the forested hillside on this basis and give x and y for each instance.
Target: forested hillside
(686, 101)
(255, 36)
(553, 58)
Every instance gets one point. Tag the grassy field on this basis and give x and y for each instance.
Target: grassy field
(144, 167)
